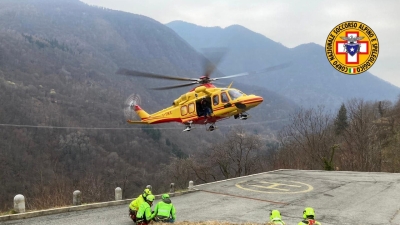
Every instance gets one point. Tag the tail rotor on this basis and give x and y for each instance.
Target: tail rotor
(129, 107)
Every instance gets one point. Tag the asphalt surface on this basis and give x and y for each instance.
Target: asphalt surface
(337, 197)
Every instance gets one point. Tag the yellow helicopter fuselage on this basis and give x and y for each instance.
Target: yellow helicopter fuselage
(224, 102)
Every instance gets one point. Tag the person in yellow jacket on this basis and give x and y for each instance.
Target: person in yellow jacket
(165, 210)
(144, 214)
(309, 217)
(275, 218)
(134, 206)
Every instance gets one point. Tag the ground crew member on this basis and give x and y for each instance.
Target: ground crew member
(144, 215)
(275, 218)
(165, 210)
(309, 217)
(134, 206)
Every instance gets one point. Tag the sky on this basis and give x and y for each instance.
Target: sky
(290, 22)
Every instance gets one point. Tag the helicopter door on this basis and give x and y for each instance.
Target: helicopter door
(200, 109)
(215, 100)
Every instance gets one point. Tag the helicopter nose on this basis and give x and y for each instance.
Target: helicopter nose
(257, 100)
(251, 102)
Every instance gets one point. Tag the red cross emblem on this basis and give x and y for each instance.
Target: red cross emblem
(341, 49)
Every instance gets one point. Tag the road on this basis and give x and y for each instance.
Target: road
(337, 197)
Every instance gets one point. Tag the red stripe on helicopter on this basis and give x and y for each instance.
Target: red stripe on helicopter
(164, 117)
(167, 120)
(259, 99)
(244, 102)
(179, 120)
(252, 101)
(196, 120)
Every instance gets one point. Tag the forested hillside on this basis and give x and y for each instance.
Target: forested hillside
(62, 124)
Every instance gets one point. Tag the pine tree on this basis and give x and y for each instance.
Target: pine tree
(341, 120)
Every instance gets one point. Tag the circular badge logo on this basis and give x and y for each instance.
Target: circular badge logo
(352, 47)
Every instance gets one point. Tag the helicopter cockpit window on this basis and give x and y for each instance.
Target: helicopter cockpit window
(224, 97)
(215, 99)
(235, 94)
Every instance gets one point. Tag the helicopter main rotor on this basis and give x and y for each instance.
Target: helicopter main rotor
(215, 55)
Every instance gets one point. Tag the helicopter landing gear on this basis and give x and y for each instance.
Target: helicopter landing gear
(188, 126)
(212, 127)
(241, 116)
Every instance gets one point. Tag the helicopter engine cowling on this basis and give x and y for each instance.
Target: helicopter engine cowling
(200, 89)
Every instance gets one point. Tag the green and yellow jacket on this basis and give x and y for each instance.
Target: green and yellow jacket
(136, 203)
(144, 212)
(165, 209)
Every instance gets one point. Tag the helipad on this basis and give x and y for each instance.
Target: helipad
(356, 198)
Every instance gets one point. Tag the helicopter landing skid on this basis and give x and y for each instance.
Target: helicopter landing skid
(188, 126)
(241, 116)
(212, 127)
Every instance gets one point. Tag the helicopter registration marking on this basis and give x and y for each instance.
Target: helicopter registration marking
(166, 113)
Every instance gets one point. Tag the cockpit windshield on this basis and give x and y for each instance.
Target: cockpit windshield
(234, 93)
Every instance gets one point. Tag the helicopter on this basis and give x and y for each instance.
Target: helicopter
(191, 107)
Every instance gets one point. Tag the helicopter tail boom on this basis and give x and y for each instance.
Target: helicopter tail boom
(142, 114)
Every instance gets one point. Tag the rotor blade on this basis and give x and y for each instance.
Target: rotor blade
(220, 83)
(175, 86)
(152, 75)
(213, 57)
(268, 69)
(209, 68)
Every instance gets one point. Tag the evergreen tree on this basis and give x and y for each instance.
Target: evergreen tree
(341, 120)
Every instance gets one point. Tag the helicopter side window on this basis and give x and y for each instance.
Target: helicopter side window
(224, 97)
(235, 94)
(215, 99)
(184, 110)
(191, 108)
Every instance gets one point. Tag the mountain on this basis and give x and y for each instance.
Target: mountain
(62, 123)
(309, 81)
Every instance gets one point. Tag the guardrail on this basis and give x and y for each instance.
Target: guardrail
(19, 203)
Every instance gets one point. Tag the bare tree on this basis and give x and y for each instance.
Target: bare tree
(307, 141)
(244, 151)
(180, 172)
(361, 150)
(239, 154)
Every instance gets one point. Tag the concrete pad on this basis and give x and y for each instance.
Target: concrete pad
(338, 198)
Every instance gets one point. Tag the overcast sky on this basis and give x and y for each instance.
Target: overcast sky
(290, 22)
